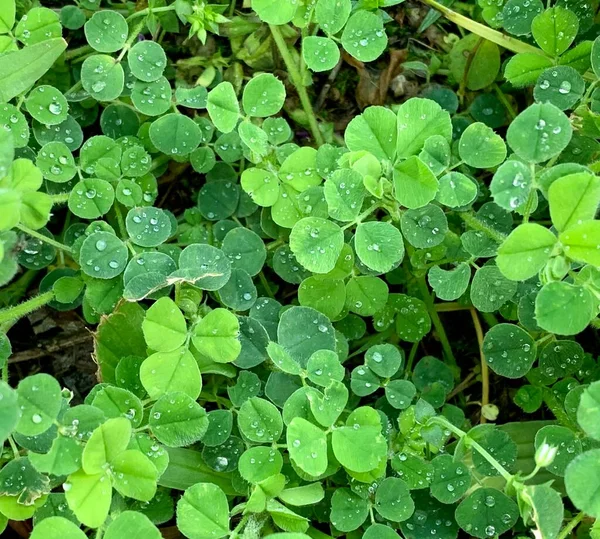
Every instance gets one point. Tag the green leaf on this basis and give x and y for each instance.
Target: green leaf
(263, 96)
(327, 296)
(555, 29)
(487, 512)
(317, 243)
(480, 147)
(393, 501)
(451, 480)
(364, 36)
(223, 107)
(582, 480)
(412, 321)
(509, 350)
(320, 53)
(449, 284)
(7, 19)
(359, 446)
(548, 509)
(366, 295)
(177, 420)
(63, 458)
(47, 105)
(419, 119)
(175, 370)
(323, 367)
(511, 185)
(282, 360)
(275, 11)
(456, 190)
(259, 463)
(106, 31)
(216, 336)
(374, 131)
(588, 412)
(307, 446)
(332, 15)
(517, 15)
(175, 134)
(19, 70)
(103, 255)
(131, 524)
(147, 60)
(414, 183)
(344, 193)
(526, 251)
(379, 245)
(490, 289)
(424, 227)
(260, 421)
(348, 510)
(203, 512)
(106, 442)
(164, 326)
(384, 360)
(102, 77)
(581, 242)
(134, 475)
(523, 69)
(91, 198)
(539, 133)
(573, 199)
(89, 497)
(562, 86)
(56, 528)
(39, 400)
(305, 495)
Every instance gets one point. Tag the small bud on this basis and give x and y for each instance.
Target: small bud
(545, 454)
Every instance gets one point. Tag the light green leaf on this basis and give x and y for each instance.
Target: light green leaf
(419, 119)
(307, 446)
(525, 251)
(176, 370)
(379, 245)
(509, 350)
(573, 199)
(89, 497)
(317, 243)
(203, 512)
(414, 183)
(223, 107)
(480, 147)
(164, 326)
(106, 442)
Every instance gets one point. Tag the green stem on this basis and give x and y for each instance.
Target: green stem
(436, 320)
(566, 531)
(45, 239)
(411, 359)
(483, 31)
(60, 198)
(134, 33)
(79, 51)
(479, 225)
(296, 78)
(148, 11)
(23, 309)
(473, 444)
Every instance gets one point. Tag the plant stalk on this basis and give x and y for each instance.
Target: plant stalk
(23, 309)
(297, 82)
(566, 531)
(485, 372)
(475, 223)
(436, 320)
(483, 31)
(45, 239)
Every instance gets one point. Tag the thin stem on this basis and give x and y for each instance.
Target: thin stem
(473, 444)
(296, 78)
(14, 447)
(266, 285)
(23, 309)
(483, 31)
(45, 239)
(79, 51)
(566, 531)
(411, 359)
(479, 225)
(134, 33)
(435, 319)
(504, 100)
(60, 198)
(148, 11)
(485, 373)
